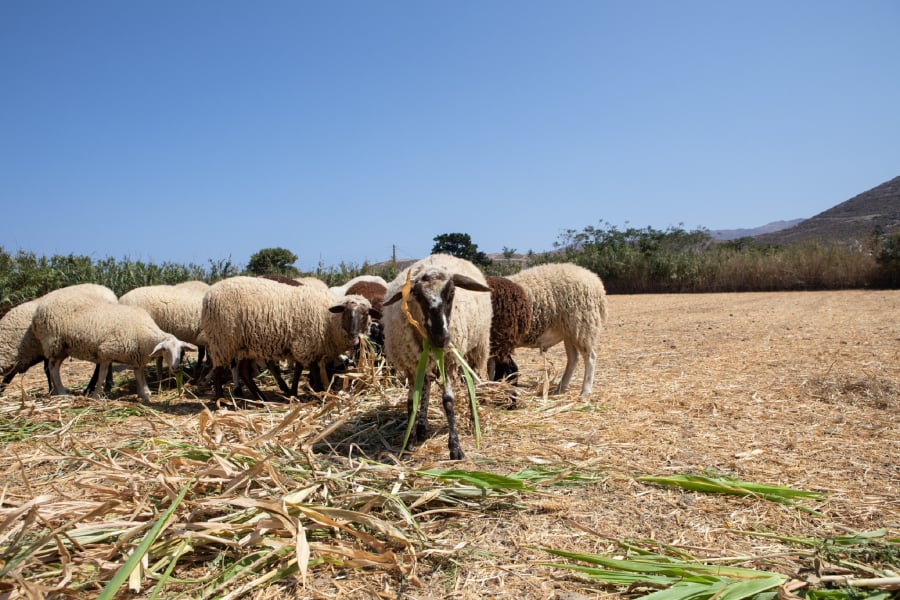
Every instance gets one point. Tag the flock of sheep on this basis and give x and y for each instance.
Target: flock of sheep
(242, 322)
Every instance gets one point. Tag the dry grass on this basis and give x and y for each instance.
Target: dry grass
(794, 389)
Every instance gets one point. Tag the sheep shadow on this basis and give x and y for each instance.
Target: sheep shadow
(375, 434)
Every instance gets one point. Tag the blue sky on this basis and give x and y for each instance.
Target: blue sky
(189, 131)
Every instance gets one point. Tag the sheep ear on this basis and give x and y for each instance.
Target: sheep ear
(160, 349)
(467, 283)
(393, 299)
(186, 347)
(337, 308)
(374, 313)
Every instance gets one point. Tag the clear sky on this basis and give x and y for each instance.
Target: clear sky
(197, 130)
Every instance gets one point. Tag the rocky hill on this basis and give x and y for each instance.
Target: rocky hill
(733, 234)
(857, 219)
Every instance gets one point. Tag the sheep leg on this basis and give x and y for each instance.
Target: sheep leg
(92, 383)
(247, 377)
(319, 380)
(295, 382)
(456, 452)
(275, 370)
(95, 377)
(590, 360)
(420, 430)
(58, 389)
(47, 374)
(571, 363)
(100, 371)
(217, 375)
(201, 355)
(140, 378)
(236, 378)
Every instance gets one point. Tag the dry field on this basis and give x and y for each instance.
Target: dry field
(793, 389)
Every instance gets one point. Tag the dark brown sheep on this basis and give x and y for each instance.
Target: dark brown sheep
(371, 291)
(510, 322)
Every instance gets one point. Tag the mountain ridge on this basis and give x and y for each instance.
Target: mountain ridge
(872, 213)
(733, 234)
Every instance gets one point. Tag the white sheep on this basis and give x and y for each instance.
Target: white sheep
(252, 319)
(193, 284)
(175, 308)
(341, 290)
(19, 348)
(568, 304)
(71, 298)
(447, 299)
(312, 282)
(103, 333)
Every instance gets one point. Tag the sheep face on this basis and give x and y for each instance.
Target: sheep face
(355, 317)
(172, 350)
(434, 290)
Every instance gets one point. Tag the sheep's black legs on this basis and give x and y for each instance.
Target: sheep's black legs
(275, 370)
(218, 375)
(295, 382)
(245, 368)
(107, 382)
(420, 429)
(456, 452)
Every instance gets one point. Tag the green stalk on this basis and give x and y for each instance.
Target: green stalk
(721, 484)
(167, 574)
(471, 377)
(417, 390)
(439, 358)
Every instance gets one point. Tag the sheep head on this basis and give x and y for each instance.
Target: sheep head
(356, 313)
(434, 290)
(172, 350)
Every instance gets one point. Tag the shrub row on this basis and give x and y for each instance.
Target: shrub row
(630, 261)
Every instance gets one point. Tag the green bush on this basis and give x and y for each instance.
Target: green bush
(633, 260)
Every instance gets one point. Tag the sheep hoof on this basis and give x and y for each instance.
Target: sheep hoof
(457, 454)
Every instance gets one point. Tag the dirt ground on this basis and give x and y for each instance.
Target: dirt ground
(793, 389)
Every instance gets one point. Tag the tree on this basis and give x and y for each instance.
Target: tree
(460, 245)
(273, 260)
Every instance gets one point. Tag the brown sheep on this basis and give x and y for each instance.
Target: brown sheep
(511, 321)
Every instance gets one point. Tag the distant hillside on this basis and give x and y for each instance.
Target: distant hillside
(856, 219)
(733, 234)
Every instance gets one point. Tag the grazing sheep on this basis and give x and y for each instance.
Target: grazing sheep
(282, 279)
(255, 319)
(71, 298)
(312, 282)
(19, 348)
(317, 380)
(510, 322)
(568, 304)
(445, 299)
(342, 290)
(103, 333)
(194, 284)
(175, 308)
(374, 292)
